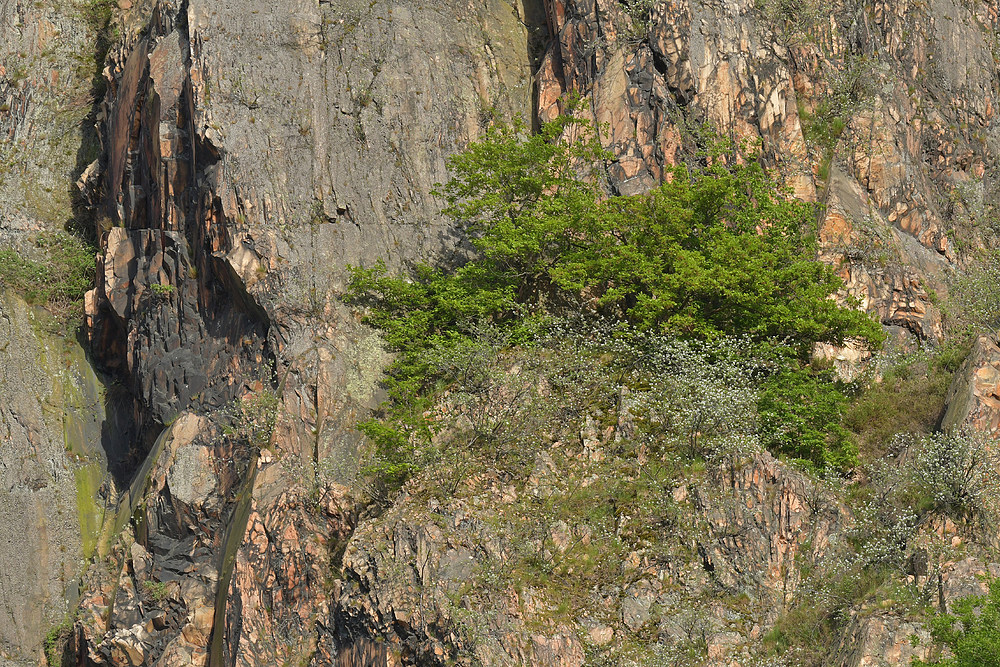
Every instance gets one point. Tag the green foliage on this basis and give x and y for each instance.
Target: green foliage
(715, 251)
(811, 626)
(977, 292)
(55, 641)
(98, 13)
(801, 411)
(953, 474)
(98, 16)
(909, 398)
(157, 590)
(851, 87)
(162, 291)
(825, 126)
(794, 20)
(971, 632)
(394, 456)
(58, 281)
(944, 474)
(712, 252)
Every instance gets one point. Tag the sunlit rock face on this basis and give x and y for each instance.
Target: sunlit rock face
(246, 152)
(250, 153)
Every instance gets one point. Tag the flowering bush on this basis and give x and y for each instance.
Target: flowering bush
(977, 291)
(252, 418)
(955, 474)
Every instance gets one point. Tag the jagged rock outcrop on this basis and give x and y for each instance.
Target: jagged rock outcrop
(974, 397)
(155, 598)
(52, 404)
(231, 196)
(645, 78)
(879, 637)
(417, 574)
(761, 519)
(895, 179)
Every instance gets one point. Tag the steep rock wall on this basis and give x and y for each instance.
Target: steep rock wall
(53, 419)
(51, 475)
(912, 83)
(252, 151)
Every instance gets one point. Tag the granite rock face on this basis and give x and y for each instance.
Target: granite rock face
(417, 574)
(52, 404)
(246, 152)
(47, 70)
(252, 152)
(51, 474)
(974, 397)
(896, 181)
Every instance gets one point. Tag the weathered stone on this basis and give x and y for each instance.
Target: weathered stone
(251, 150)
(51, 470)
(974, 397)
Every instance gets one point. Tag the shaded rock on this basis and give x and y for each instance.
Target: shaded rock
(974, 397)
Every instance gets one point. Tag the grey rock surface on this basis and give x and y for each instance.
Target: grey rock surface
(51, 468)
(250, 151)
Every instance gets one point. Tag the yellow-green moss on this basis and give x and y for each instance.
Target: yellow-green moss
(90, 513)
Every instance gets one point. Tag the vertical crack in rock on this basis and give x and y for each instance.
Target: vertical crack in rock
(174, 321)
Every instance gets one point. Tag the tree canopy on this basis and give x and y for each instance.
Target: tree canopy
(717, 250)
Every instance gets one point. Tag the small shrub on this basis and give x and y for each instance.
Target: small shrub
(971, 632)
(157, 590)
(55, 641)
(955, 474)
(952, 474)
(162, 291)
(883, 529)
(58, 281)
(792, 19)
(700, 397)
(252, 418)
(910, 398)
(801, 411)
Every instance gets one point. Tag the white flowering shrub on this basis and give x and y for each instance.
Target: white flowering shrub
(977, 292)
(882, 531)
(251, 418)
(955, 474)
(695, 397)
(699, 402)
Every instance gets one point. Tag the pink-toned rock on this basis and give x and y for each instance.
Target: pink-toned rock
(974, 396)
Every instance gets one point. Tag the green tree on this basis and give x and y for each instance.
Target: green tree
(715, 251)
(971, 632)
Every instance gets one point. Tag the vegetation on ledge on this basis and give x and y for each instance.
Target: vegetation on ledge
(715, 252)
(57, 278)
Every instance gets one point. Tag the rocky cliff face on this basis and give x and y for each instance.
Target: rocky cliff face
(54, 425)
(51, 476)
(854, 102)
(231, 198)
(245, 153)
